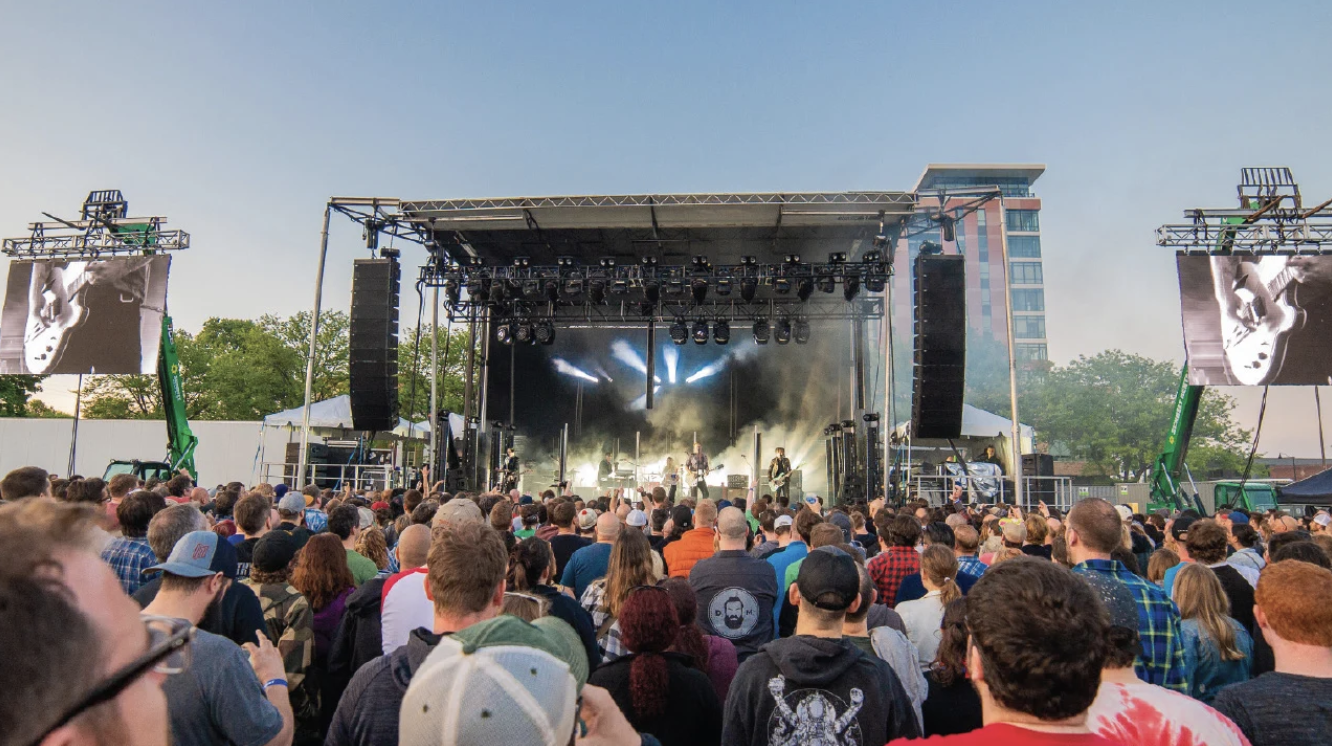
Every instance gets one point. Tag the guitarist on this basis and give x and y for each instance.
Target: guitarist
(779, 477)
(698, 468)
(511, 466)
(108, 339)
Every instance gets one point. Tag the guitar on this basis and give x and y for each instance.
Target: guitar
(779, 481)
(61, 311)
(1255, 334)
(697, 477)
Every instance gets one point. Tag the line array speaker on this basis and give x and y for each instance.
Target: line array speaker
(373, 371)
(939, 379)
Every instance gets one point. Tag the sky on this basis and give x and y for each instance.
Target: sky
(238, 120)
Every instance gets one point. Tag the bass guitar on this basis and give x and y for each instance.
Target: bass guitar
(58, 313)
(1255, 335)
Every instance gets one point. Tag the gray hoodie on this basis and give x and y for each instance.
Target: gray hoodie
(367, 714)
(803, 690)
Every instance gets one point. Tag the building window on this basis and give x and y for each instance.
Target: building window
(1030, 352)
(1028, 300)
(1024, 220)
(1029, 327)
(1011, 186)
(1026, 273)
(1024, 247)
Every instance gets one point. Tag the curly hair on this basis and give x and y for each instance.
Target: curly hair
(950, 663)
(321, 571)
(372, 545)
(528, 563)
(648, 626)
(689, 638)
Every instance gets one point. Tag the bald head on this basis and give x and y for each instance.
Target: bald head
(413, 546)
(731, 524)
(199, 496)
(608, 528)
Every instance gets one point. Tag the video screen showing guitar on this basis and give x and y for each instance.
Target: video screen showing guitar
(1257, 320)
(83, 316)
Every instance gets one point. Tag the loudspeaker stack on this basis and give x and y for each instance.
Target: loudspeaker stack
(939, 379)
(374, 344)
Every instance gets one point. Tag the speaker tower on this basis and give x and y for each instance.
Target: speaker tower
(939, 379)
(374, 345)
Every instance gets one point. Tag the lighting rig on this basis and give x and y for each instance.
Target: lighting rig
(1271, 219)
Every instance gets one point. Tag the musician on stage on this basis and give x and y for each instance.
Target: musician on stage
(606, 472)
(510, 481)
(698, 467)
(670, 478)
(779, 477)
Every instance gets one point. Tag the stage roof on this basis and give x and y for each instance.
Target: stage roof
(672, 227)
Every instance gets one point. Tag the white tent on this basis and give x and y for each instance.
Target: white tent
(335, 414)
(977, 423)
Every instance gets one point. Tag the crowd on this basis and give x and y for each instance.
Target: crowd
(169, 613)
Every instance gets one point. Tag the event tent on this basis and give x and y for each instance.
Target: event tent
(979, 429)
(1316, 489)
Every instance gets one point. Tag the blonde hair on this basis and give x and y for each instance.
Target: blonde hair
(525, 606)
(939, 565)
(1201, 597)
(1037, 529)
(630, 566)
(372, 545)
(1161, 560)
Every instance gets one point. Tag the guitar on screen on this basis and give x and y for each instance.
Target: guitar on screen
(53, 314)
(1256, 331)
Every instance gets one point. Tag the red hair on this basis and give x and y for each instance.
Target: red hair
(648, 627)
(689, 637)
(321, 571)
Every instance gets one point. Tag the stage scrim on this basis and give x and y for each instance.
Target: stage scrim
(83, 316)
(1256, 320)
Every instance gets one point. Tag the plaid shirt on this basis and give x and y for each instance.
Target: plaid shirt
(888, 568)
(1162, 659)
(128, 558)
(971, 565)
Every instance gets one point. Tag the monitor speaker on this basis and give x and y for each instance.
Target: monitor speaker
(1037, 465)
(373, 370)
(939, 379)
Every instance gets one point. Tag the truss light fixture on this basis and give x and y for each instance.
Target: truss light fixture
(619, 287)
(721, 332)
(498, 291)
(792, 258)
(649, 261)
(700, 332)
(873, 257)
(850, 287)
(826, 282)
(522, 333)
(748, 289)
(698, 287)
(724, 286)
(762, 331)
(544, 333)
(801, 331)
(679, 332)
(675, 289)
(573, 286)
(567, 261)
(504, 333)
(781, 285)
(804, 289)
(452, 293)
(596, 292)
(837, 257)
(783, 331)
(701, 264)
(531, 289)
(522, 262)
(476, 290)
(607, 261)
(749, 261)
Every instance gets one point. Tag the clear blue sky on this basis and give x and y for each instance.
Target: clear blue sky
(238, 120)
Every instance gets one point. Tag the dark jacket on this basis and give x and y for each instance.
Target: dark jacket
(300, 533)
(359, 638)
(367, 714)
(912, 587)
(736, 594)
(693, 715)
(563, 607)
(1240, 594)
(237, 617)
(807, 689)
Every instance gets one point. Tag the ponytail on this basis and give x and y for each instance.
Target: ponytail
(939, 565)
(950, 591)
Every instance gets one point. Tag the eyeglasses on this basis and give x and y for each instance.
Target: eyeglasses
(168, 653)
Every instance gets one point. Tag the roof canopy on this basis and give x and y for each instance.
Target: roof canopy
(977, 423)
(1316, 488)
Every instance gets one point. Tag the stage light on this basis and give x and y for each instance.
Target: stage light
(723, 287)
(649, 261)
(748, 289)
(497, 291)
(568, 369)
(837, 257)
(850, 286)
(701, 264)
(781, 285)
(572, 287)
(522, 262)
(826, 283)
(522, 333)
(619, 287)
(783, 331)
(672, 358)
(567, 261)
(699, 288)
(531, 289)
(675, 289)
(545, 333)
(801, 331)
(477, 290)
(762, 331)
(596, 292)
(452, 294)
(700, 332)
(504, 333)
(949, 228)
(875, 283)
(749, 261)
(721, 332)
(872, 257)
(607, 261)
(792, 258)
(804, 289)
(679, 332)
(552, 289)
(652, 291)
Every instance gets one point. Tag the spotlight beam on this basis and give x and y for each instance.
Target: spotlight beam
(672, 357)
(569, 369)
(621, 351)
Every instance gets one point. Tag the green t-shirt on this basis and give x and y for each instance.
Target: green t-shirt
(362, 568)
(792, 570)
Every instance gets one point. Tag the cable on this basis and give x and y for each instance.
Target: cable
(1257, 433)
(416, 353)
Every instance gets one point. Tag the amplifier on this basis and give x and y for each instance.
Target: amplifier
(737, 481)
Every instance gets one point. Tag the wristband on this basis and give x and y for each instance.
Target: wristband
(274, 682)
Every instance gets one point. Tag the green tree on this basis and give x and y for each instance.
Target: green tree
(414, 368)
(15, 392)
(332, 350)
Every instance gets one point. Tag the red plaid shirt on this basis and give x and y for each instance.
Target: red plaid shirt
(888, 568)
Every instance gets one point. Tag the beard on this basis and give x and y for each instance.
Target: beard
(211, 613)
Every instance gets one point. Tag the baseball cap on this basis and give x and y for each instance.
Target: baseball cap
(293, 502)
(781, 520)
(458, 510)
(367, 517)
(636, 518)
(1181, 526)
(274, 551)
(199, 554)
(1116, 598)
(280, 490)
(1125, 512)
(379, 505)
(587, 518)
(842, 521)
(1237, 517)
(828, 579)
(503, 680)
(525, 500)
(723, 504)
(1322, 519)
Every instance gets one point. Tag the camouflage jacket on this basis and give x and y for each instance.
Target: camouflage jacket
(290, 624)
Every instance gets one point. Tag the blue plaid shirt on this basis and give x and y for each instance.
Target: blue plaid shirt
(971, 565)
(316, 520)
(128, 558)
(1162, 659)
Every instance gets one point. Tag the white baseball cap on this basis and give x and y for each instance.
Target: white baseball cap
(782, 520)
(636, 518)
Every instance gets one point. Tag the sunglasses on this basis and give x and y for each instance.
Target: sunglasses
(168, 653)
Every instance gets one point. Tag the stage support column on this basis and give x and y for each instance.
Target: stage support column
(310, 359)
(758, 455)
(483, 411)
(858, 359)
(434, 459)
(651, 358)
(1016, 450)
(564, 459)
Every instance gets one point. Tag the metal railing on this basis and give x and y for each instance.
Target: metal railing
(336, 476)
(1056, 492)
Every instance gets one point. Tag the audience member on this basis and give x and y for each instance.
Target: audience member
(1206, 544)
(736, 592)
(887, 643)
(952, 705)
(898, 558)
(322, 576)
(630, 566)
(793, 552)
(589, 563)
(713, 655)
(344, 522)
(1217, 648)
(129, 555)
(532, 570)
(289, 624)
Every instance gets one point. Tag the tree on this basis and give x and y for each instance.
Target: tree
(15, 392)
(332, 349)
(40, 409)
(414, 368)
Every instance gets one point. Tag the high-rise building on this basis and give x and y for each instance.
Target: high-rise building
(978, 238)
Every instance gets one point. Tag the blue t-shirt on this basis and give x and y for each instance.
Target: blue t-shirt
(584, 566)
(796, 550)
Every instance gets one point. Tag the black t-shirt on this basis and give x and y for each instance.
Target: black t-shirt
(1240, 594)
(951, 709)
(563, 546)
(244, 556)
(1280, 709)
